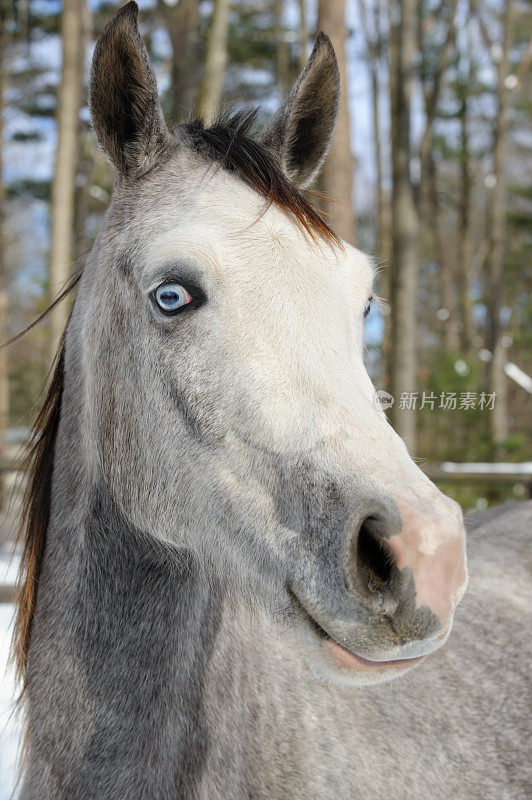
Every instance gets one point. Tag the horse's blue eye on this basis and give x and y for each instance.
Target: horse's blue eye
(171, 297)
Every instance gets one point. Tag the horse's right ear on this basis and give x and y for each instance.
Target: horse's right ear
(125, 110)
(301, 131)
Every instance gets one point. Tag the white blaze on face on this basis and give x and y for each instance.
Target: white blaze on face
(286, 313)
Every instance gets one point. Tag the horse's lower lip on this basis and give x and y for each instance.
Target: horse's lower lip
(349, 660)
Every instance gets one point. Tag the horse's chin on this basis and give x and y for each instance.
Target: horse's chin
(333, 663)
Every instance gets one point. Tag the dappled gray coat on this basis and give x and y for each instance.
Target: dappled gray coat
(226, 546)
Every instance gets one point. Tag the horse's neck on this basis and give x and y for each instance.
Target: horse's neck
(120, 649)
(145, 682)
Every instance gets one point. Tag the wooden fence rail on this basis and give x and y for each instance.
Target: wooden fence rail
(474, 473)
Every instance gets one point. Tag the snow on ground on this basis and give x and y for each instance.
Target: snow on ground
(8, 568)
(9, 722)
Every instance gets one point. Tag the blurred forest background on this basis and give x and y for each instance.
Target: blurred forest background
(430, 172)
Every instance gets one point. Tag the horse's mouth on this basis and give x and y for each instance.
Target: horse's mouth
(345, 657)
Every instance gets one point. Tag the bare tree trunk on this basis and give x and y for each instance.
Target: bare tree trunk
(432, 95)
(465, 231)
(338, 170)
(215, 61)
(283, 78)
(384, 218)
(380, 242)
(497, 218)
(374, 47)
(86, 162)
(385, 286)
(429, 206)
(303, 34)
(4, 365)
(63, 185)
(383, 244)
(181, 22)
(405, 222)
(447, 294)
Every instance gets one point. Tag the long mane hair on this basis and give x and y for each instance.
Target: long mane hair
(37, 464)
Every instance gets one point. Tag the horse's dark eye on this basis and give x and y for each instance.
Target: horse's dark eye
(368, 307)
(170, 297)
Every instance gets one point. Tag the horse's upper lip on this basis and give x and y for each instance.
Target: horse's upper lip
(346, 656)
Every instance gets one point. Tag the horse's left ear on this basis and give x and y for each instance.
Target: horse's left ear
(301, 131)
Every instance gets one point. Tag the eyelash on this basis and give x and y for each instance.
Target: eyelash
(367, 309)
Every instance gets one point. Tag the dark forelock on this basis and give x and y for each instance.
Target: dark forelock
(228, 142)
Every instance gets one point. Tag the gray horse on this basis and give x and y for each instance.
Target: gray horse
(226, 546)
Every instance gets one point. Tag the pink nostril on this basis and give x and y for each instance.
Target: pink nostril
(403, 563)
